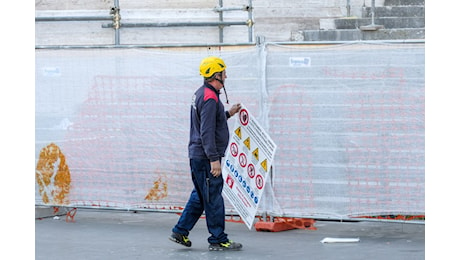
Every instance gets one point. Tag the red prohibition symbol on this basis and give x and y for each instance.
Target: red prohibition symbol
(244, 117)
(243, 160)
(259, 182)
(251, 171)
(230, 181)
(234, 149)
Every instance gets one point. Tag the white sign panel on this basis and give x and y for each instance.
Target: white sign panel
(246, 165)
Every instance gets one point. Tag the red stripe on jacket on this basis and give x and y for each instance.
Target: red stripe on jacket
(209, 93)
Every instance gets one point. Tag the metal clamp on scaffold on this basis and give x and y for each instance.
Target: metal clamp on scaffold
(115, 12)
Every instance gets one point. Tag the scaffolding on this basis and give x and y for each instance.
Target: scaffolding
(117, 23)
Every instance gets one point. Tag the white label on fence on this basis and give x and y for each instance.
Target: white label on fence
(299, 61)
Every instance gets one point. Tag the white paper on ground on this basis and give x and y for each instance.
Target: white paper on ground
(339, 240)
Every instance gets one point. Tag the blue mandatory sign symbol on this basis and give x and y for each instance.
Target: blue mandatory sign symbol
(240, 179)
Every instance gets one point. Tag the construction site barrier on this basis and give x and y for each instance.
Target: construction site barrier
(111, 127)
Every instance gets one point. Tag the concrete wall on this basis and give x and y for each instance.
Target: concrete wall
(277, 20)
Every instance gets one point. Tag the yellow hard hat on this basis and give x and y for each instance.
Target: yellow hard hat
(211, 65)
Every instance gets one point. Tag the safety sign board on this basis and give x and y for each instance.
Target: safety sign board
(246, 165)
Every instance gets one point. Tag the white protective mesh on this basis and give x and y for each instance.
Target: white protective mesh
(348, 121)
(349, 125)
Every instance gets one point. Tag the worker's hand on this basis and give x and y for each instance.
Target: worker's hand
(235, 109)
(216, 169)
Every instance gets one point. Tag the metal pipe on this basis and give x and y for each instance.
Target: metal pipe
(116, 21)
(250, 22)
(176, 24)
(348, 8)
(223, 9)
(131, 46)
(372, 11)
(221, 19)
(71, 18)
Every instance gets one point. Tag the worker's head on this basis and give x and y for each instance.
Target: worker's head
(211, 67)
(213, 71)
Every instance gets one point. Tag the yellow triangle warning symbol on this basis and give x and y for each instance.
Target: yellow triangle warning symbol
(247, 142)
(238, 132)
(264, 164)
(256, 153)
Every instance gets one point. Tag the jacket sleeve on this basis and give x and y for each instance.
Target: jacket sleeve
(208, 129)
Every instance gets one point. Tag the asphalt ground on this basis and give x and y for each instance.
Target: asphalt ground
(110, 234)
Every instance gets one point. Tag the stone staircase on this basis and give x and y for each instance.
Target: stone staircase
(395, 20)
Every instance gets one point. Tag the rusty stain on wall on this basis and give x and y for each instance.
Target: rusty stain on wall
(53, 176)
(158, 191)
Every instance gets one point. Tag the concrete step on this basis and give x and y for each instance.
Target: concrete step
(395, 11)
(403, 2)
(387, 22)
(360, 35)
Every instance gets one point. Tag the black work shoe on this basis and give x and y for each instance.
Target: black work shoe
(229, 245)
(180, 239)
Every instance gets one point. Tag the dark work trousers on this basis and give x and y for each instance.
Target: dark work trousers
(206, 196)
